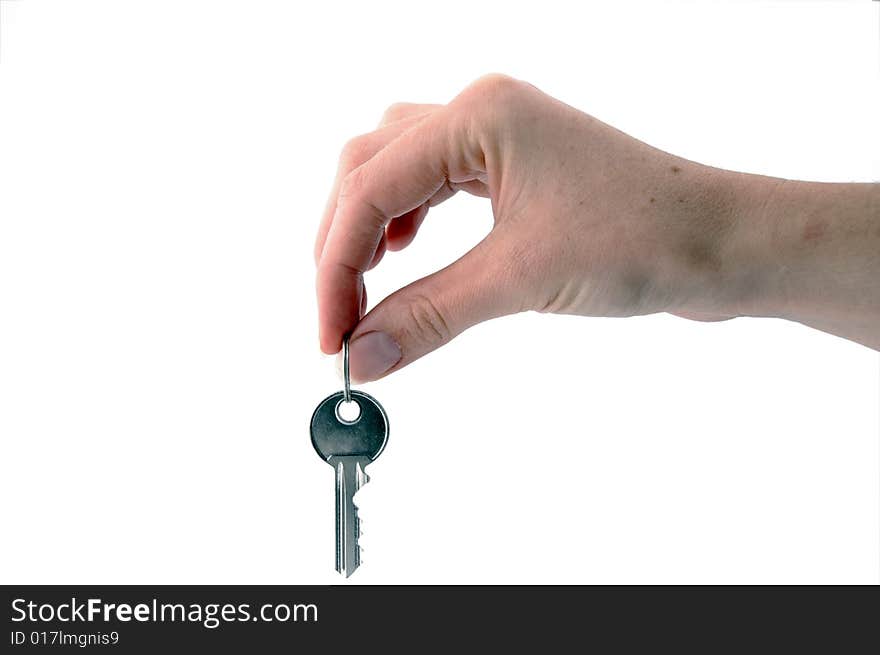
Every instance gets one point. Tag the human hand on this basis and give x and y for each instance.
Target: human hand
(588, 221)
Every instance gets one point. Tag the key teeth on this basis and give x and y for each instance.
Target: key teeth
(360, 478)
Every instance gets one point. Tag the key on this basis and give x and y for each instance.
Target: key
(349, 446)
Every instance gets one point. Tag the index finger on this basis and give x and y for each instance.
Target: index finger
(401, 177)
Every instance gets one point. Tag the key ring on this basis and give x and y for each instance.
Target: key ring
(345, 374)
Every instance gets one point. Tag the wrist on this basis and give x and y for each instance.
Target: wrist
(726, 256)
(802, 251)
(756, 246)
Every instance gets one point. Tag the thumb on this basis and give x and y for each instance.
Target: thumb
(430, 312)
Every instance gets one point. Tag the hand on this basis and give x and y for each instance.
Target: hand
(588, 221)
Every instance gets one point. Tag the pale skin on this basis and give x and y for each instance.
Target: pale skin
(587, 221)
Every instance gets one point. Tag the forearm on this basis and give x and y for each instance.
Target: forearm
(807, 252)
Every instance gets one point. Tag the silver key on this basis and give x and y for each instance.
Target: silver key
(349, 446)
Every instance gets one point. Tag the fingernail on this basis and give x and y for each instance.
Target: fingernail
(371, 354)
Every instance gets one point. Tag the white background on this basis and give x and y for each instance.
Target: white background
(163, 167)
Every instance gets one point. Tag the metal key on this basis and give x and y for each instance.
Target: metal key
(349, 446)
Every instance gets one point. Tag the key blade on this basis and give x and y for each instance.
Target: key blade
(350, 477)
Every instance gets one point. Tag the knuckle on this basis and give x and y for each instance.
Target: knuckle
(395, 112)
(427, 323)
(351, 185)
(356, 192)
(493, 99)
(354, 153)
(495, 87)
